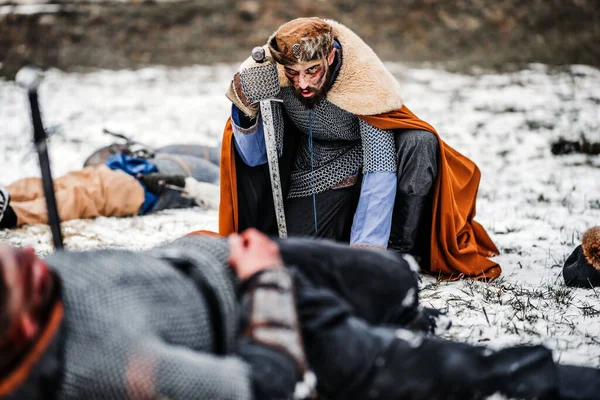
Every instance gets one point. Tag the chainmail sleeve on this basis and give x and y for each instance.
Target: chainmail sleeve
(379, 149)
(158, 370)
(138, 327)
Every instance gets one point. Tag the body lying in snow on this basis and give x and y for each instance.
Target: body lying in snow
(244, 318)
(116, 183)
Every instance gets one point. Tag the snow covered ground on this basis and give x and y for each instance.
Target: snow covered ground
(535, 205)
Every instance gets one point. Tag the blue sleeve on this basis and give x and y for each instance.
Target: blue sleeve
(373, 217)
(249, 142)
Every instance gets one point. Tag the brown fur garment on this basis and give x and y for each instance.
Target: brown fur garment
(590, 242)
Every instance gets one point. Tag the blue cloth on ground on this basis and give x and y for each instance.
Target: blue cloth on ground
(134, 166)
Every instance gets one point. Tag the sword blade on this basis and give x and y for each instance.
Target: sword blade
(273, 160)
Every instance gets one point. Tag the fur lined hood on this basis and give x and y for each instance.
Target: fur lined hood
(364, 86)
(590, 242)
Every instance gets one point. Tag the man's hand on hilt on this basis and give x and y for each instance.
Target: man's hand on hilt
(254, 83)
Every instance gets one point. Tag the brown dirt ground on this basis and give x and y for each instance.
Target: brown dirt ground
(457, 35)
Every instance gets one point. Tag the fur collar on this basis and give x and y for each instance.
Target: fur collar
(364, 85)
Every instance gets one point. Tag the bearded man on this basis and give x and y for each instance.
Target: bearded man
(356, 164)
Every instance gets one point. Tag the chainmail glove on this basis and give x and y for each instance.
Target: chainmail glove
(255, 83)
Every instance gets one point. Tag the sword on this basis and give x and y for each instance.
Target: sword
(29, 78)
(266, 111)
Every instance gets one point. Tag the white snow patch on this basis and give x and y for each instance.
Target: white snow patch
(412, 263)
(409, 299)
(307, 387)
(498, 396)
(534, 205)
(30, 9)
(443, 322)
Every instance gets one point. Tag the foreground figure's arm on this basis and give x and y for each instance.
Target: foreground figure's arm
(268, 358)
(160, 370)
(271, 342)
(353, 360)
(260, 369)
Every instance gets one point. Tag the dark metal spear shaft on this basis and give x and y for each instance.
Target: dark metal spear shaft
(266, 111)
(39, 139)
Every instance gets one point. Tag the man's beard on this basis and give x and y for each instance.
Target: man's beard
(319, 95)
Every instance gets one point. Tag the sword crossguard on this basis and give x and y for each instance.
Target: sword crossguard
(259, 55)
(274, 99)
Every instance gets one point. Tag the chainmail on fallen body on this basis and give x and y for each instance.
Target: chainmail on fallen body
(338, 150)
(132, 320)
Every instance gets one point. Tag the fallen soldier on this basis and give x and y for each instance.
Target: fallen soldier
(116, 184)
(208, 318)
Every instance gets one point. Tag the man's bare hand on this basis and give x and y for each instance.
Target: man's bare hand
(251, 252)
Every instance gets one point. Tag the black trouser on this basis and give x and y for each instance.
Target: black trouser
(334, 214)
(375, 285)
(417, 155)
(355, 360)
(186, 161)
(349, 299)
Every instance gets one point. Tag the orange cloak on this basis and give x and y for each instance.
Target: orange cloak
(460, 247)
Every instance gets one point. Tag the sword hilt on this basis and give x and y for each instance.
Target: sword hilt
(259, 55)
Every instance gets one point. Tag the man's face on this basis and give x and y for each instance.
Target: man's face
(310, 79)
(29, 286)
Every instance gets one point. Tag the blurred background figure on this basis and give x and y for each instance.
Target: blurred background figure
(116, 182)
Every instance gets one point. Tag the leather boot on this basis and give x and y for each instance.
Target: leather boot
(578, 383)
(406, 219)
(429, 320)
(426, 368)
(8, 218)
